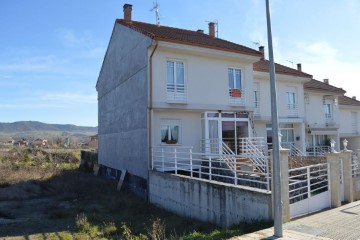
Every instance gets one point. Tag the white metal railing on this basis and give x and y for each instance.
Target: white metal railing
(355, 166)
(176, 93)
(183, 161)
(292, 110)
(317, 150)
(237, 97)
(305, 182)
(294, 151)
(253, 148)
(255, 155)
(256, 108)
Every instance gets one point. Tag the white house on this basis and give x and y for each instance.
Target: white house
(349, 121)
(322, 115)
(290, 101)
(167, 87)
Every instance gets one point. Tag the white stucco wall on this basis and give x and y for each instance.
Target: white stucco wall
(206, 79)
(190, 129)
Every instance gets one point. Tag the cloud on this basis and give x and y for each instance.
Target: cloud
(97, 52)
(32, 64)
(73, 39)
(70, 98)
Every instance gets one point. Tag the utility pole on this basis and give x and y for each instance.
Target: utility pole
(276, 190)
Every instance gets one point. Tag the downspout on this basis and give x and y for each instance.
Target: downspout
(150, 106)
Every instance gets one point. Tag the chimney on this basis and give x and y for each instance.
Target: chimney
(211, 29)
(127, 12)
(200, 31)
(261, 49)
(354, 97)
(326, 80)
(299, 67)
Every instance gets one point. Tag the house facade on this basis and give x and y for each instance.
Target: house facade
(166, 91)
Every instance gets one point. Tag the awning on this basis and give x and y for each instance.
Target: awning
(322, 132)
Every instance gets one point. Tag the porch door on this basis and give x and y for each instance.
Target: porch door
(214, 136)
(228, 134)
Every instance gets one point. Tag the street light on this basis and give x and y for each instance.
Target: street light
(332, 145)
(345, 142)
(276, 190)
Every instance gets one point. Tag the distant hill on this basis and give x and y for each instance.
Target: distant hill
(39, 129)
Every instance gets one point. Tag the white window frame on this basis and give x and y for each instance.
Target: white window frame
(177, 87)
(328, 110)
(233, 69)
(291, 101)
(169, 123)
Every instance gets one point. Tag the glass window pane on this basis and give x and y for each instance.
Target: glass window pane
(164, 134)
(179, 73)
(237, 79)
(170, 74)
(231, 78)
(174, 133)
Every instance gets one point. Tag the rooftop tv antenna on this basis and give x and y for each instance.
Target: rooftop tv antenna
(256, 43)
(156, 8)
(216, 26)
(292, 63)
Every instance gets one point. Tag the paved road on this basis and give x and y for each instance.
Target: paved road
(341, 223)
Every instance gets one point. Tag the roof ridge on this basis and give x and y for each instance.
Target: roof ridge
(187, 36)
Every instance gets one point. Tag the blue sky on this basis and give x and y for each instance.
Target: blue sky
(51, 51)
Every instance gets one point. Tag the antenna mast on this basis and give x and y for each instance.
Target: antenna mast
(156, 8)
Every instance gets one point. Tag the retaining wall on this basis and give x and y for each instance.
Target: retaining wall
(219, 203)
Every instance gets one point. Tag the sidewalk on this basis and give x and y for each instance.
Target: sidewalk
(341, 223)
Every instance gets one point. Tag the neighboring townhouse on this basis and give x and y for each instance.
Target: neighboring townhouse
(167, 87)
(290, 103)
(349, 122)
(322, 115)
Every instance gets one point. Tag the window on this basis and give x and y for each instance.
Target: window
(234, 79)
(175, 76)
(170, 131)
(328, 110)
(354, 122)
(290, 99)
(256, 95)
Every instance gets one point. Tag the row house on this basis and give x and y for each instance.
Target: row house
(167, 88)
(349, 131)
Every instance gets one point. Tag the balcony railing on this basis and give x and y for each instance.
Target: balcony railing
(237, 97)
(256, 108)
(176, 93)
(292, 110)
(213, 167)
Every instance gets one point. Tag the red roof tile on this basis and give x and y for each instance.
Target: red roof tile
(263, 66)
(187, 37)
(344, 100)
(321, 86)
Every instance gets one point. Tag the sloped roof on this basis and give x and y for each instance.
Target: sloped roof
(344, 100)
(188, 37)
(316, 85)
(263, 66)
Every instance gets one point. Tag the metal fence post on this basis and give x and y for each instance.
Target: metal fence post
(191, 163)
(210, 169)
(175, 160)
(163, 159)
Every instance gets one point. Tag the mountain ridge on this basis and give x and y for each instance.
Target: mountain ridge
(36, 128)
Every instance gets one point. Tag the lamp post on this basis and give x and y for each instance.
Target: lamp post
(276, 190)
(345, 142)
(332, 145)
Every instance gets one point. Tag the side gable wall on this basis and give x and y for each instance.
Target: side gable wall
(122, 102)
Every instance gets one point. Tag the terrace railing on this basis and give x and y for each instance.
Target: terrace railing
(183, 161)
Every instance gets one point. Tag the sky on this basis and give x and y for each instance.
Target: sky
(51, 51)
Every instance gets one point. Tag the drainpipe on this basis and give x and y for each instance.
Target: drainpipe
(150, 105)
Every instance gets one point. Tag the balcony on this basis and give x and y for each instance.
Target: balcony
(176, 93)
(256, 108)
(292, 110)
(237, 97)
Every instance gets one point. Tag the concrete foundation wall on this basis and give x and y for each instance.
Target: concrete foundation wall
(356, 188)
(221, 204)
(123, 100)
